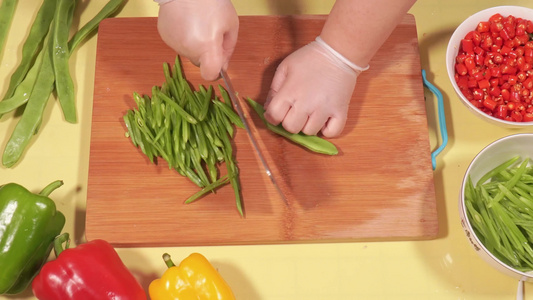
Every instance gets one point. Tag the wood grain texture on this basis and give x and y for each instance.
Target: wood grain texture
(380, 186)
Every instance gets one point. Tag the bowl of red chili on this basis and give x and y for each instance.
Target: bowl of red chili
(489, 61)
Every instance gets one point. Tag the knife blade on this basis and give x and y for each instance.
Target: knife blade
(236, 103)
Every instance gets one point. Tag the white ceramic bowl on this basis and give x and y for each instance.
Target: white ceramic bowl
(491, 156)
(453, 48)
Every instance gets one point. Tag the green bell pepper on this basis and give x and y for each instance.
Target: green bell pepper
(28, 225)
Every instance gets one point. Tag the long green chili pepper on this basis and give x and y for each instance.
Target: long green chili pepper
(311, 142)
(7, 10)
(60, 58)
(32, 45)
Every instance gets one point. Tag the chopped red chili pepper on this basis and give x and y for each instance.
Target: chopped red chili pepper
(494, 68)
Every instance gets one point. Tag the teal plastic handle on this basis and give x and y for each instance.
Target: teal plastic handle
(441, 117)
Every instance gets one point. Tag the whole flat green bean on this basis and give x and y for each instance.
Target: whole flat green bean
(60, 59)
(111, 7)
(311, 142)
(32, 116)
(23, 90)
(7, 10)
(32, 44)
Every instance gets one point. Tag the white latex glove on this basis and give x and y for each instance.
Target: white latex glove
(311, 91)
(204, 31)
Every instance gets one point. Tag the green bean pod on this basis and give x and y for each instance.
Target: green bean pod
(32, 45)
(110, 8)
(31, 118)
(60, 58)
(23, 90)
(311, 142)
(43, 84)
(7, 10)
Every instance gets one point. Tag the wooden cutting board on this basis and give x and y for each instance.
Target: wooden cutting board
(379, 187)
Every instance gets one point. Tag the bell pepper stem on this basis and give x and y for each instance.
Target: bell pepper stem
(58, 243)
(51, 187)
(168, 260)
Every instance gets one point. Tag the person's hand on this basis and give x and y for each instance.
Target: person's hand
(311, 91)
(204, 31)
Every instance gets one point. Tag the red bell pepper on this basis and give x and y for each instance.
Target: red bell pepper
(90, 271)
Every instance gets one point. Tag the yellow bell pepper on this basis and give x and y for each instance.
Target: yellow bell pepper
(194, 279)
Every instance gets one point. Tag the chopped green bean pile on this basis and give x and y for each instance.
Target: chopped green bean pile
(43, 68)
(500, 209)
(190, 129)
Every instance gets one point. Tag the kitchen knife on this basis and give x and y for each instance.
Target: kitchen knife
(240, 112)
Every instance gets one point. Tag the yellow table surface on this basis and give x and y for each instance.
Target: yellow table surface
(444, 268)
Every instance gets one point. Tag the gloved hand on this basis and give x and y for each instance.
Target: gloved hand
(204, 31)
(311, 90)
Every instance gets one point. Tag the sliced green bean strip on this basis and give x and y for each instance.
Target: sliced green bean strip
(230, 114)
(497, 170)
(7, 10)
(186, 116)
(60, 59)
(148, 146)
(150, 139)
(204, 109)
(228, 109)
(129, 127)
(510, 183)
(193, 105)
(194, 177)
(196, 162)
(178, 71)
(172, 86)
(222, 120)
(32, 44)
(214, 141)
(488, 220)
(225, 95)
(522, 185)
(514, 199)
(209, 188)
(234, 181)
(202, 145)
(311, 142)
(211, 163)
